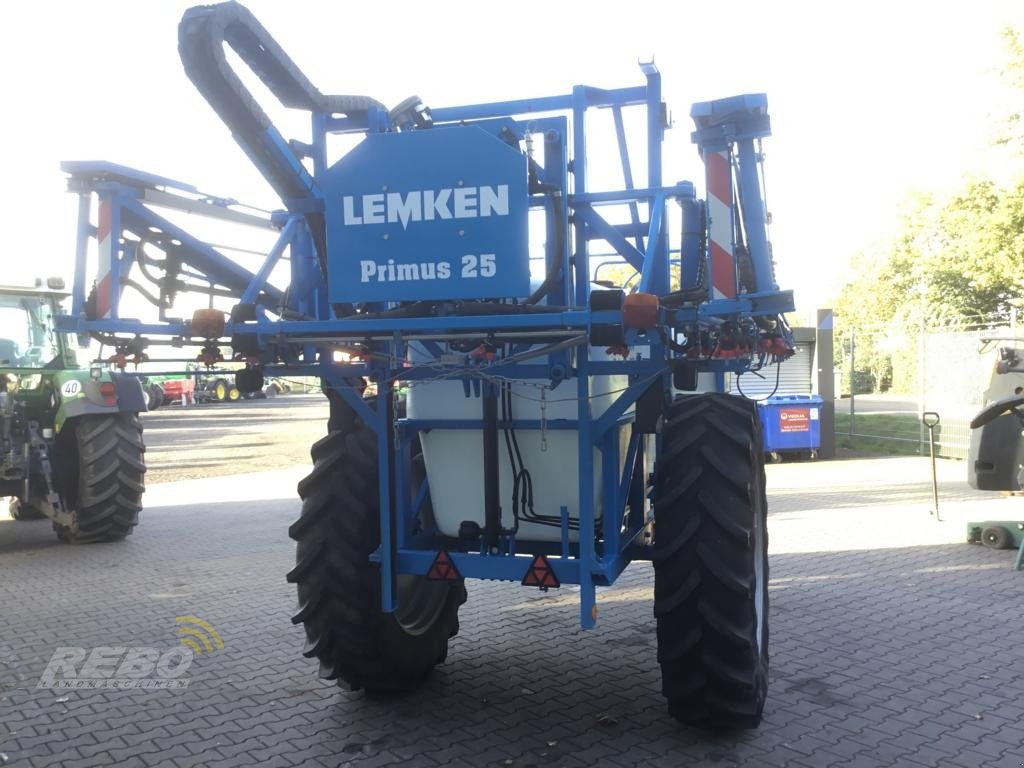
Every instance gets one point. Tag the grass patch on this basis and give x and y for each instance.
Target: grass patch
(879, 434)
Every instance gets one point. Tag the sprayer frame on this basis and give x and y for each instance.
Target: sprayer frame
(307, 346)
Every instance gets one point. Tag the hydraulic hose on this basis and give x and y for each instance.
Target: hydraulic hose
(202, 33)
(558, 260)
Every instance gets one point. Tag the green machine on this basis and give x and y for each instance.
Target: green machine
(71, 446)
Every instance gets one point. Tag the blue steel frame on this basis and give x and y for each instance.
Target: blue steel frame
(306, 346)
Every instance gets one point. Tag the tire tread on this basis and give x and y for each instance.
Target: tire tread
(338, 587)
(111, 473)
(708, 495)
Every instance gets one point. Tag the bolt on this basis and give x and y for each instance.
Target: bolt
(383, 187)
(462, 233)
(460, 182)
(386, 235)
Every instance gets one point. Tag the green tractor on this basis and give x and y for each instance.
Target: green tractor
(71, 445)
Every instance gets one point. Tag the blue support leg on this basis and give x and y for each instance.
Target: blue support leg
(383, 420)
(579, 147)
(564, 512)
(613, 502)
(588, 601)
(588, 604)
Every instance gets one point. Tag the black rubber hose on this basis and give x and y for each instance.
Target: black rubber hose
(506, 418)
(556, 263)
(201, 36)
(128, 282)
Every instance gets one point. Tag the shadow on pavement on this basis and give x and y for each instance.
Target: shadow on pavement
(868, 648)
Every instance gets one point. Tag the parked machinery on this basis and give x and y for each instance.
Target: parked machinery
(996, 461)
(511, 356)
(71, 445)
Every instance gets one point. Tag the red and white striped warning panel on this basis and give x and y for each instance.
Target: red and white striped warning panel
(720, 234)
(107, 241)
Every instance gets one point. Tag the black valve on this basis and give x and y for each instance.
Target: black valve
(411, 113)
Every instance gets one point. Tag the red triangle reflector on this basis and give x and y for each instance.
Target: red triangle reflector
(540, 574)
(443, 569)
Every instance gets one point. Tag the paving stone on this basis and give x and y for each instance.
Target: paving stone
(869, 633)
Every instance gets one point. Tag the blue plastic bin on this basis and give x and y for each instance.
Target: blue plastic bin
(791, 423)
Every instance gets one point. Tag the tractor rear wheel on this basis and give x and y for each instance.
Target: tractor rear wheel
(339, 587)
(101, 464)
(711, 562)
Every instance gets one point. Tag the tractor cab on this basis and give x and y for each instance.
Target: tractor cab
(28, 339)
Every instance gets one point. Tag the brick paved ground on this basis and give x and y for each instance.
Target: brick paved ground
(893, 643)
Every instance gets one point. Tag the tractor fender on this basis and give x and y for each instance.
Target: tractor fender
(86, 399)
(131, 398)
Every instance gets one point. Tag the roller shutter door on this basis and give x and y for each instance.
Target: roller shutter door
(794, 376)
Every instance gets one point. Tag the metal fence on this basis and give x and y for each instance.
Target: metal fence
(888, 380)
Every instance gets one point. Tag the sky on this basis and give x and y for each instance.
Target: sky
(869, 100)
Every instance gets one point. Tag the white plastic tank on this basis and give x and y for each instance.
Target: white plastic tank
(454, 457)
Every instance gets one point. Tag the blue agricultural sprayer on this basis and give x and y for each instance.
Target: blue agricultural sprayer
(525, 373)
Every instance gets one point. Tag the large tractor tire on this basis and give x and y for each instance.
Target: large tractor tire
(356, 642)
(711, 562)
(100, 464)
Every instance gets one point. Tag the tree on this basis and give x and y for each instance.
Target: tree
(956, 262)
(1012, 132)
(965, 253)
